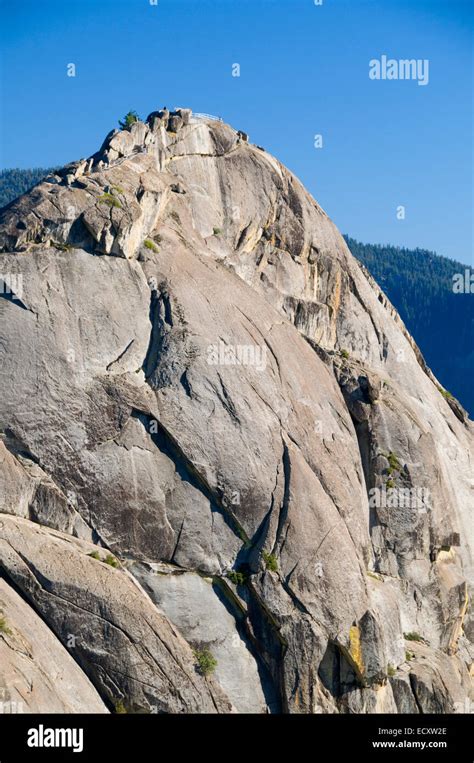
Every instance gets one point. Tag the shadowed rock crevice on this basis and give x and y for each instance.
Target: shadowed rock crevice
(245, 629)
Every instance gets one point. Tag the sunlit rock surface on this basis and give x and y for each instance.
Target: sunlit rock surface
(200, 384)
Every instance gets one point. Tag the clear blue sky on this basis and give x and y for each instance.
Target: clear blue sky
(304, 70)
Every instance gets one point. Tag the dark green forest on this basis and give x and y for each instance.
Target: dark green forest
(14, 182)
(417, 282)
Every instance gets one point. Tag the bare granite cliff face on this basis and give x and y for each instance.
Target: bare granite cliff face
(218, 438)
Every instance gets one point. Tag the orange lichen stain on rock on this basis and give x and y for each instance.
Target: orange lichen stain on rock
(355, 649)
(453, 644)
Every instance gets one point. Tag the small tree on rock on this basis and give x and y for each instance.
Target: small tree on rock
(129, 119)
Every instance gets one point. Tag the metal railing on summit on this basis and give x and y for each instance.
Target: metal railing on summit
(197, 115)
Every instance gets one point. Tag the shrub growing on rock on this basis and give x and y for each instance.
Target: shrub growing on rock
(4, 627)
(149, 244)
(108, 198)
(111, 561)
(271, 562)
(206, 662)
(413, 636)
(238, 578)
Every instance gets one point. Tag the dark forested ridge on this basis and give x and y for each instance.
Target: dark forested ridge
(419, 284)
(14, 182)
